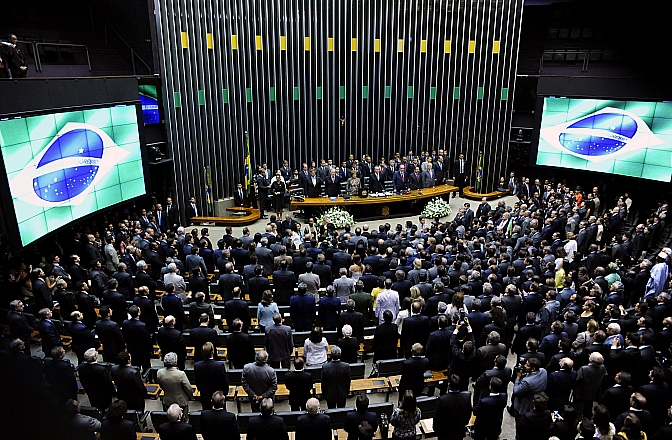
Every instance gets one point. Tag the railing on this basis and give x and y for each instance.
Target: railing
(134, 55)
(570, 55)
(34, 54)
(38, 62)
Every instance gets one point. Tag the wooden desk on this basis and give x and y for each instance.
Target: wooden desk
(427, 426)
(251, 215)
(152, 389)
(315, 202)
(362, 385)
(437, 376)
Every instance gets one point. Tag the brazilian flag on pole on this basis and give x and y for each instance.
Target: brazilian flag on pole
(479, 172)
(248, 165)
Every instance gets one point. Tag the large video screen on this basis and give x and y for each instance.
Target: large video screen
(64, 166)
(150, 104)
(628, 138)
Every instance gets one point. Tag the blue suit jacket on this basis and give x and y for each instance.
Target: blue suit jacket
(398, 184)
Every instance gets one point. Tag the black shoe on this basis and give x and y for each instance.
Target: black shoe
(510, 410)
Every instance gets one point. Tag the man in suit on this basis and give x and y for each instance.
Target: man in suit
(109, 335)
(259, 380)
(217, 423)
(265, 257)
(589, 384)
(302, 309)
(313, 185)
(415, 329)
(332, 184)
(527, 385)
(335, 380)
(191, 209)
(142, 278)
(377, 181)
(533, 424)
(266, 426)
(173, 214)
(483, 209)
(400, 179)
(171, 339)
(172, 305)
(439, 357)
(237, 308)
(239, 196)
(313, 425)
(175, 428)
(96, 380)
(489, 412)
(453, 411)
(460, 173)
(199, 307)
(124, 282)
(429, 177)
(284, 281)
(147, 308)
(300, 385)
(115, 301)
(228, 281)
(413, 371)
(202, 335)
(415, 179)
(257, 285)
(210, 375)
(561, 383)
(19, 327)
(657, 394)
(41, 293)
(48, 332)
(83, 338)
(353, 419)
(353, 318)
(60, 374)
(128, 381)
(137, 337)
(239, 346)
(279, 343)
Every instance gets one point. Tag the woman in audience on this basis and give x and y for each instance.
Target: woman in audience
(315, 348)
(586, 337)
(267, 308)
(417, 297)
(564, 426)
(604, 429)
(349, 345)
(405, 311)
(406, 417)
(632, 428)
(357, 268)
(587, 313)
(377, 290)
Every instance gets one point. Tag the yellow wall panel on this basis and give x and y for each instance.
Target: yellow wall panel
(330, 44)
(258, 42)
(211, 44)
(354, 44)
(185, 40)
(234, 42)
(400, 45)
(495, 46)
(472, 46)
(376, 45)
(423, 46)
(306, 43)
(283, 42)
(446, 46)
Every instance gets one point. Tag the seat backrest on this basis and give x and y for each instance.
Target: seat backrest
(187, 337)
(195, 420)
(369, 331)
(337, 416)
(90, 411)
(222, 339)
(299, 338)
(290, 418)
(315, 372)
(257, 339)
(158, 417)
(244, 421)
(357, 371)
(191, 375)
(280, 373)
(331, 336)
(382, 407)
(427, 405)
(153, 371)
(389, 367)
(234, 376)
(253, 311)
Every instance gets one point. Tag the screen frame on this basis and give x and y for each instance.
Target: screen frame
(11, 222)
(536, 130)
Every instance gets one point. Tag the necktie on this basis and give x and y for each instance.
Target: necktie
(333, 180)
(158, 216)
(461, 167)
(193, 206)
(313, 181)
(306, 173)
(402, 177)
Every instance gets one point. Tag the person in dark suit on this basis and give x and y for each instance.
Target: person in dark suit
(257, 285)
(266, 426)
(385, 339)
(109, 335)
(279, 343)
(302, 309)
(657, 394)
(637, 404)
(41, 292)
(313, 184)
(415, 179)
(60, 374)
(175, 428)
(239, 196)
(413, 372)
(48, 332)
(148, 313)
(203, 334)
(228, 281)
(460, 173)
(300, 385)
(352, 318)
(415, 330)
(96, 380)
(400, 179)
(560, 385)
(170, 340)
(217, 423)
(142, 278)
(332, 184)
(137, 337)
(128, 380)
(191, 210)
(429, 177)
(313, 425)
(210, 375)
(377, 181)
(172, 305)
(437, 343)
(489, 412)
(237, 308)
(335, 380)
(116, 301)
(239, 346)
(617, 398)
(533, 424)
(125, 282)
(82, 337)
(284, 282)
(114, 426)
(353, 419)
(19, 327)
(453, 411)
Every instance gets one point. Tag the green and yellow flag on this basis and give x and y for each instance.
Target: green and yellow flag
(248, 165)
(479, 172)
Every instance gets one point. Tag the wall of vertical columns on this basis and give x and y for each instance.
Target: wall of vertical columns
(313, 79)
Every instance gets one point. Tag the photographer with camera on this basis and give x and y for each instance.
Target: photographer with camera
(530, 379)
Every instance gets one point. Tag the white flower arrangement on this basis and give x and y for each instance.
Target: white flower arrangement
(437, 207)
(338, 216)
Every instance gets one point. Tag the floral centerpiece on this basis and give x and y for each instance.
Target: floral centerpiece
(338, 216)
(437, 207)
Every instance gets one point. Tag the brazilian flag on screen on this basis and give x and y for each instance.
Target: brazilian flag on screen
(479, 173)
(248, 164)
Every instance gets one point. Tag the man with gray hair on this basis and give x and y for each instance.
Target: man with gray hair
(174, 383)
(259, 380)
(344, 286)
(19, 328)
(172, 277)
(96, 380)
(589, 384)
(335, 380)
(313, 426)
(267, 425)
(175, 428)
